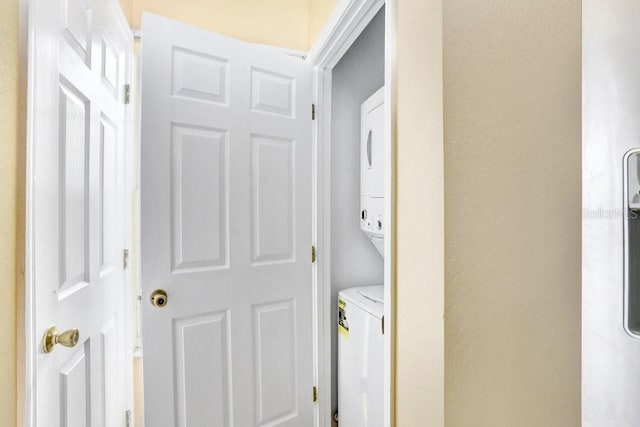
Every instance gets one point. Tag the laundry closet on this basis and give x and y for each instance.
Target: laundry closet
(357, 228)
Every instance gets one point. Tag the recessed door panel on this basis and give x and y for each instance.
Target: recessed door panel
(202, 369)
(77, 27)
(110, 65)
(275, 343)
(273, 194)
(110, 195)
(272, 93)
(200, 76)
(199, 185)
(74, 186)
(111, 387)
(75, 389)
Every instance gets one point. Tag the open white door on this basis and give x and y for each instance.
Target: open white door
(78, 59)
(226, 231)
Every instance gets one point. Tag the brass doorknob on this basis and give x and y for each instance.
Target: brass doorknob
(52, 337)
(159, 298)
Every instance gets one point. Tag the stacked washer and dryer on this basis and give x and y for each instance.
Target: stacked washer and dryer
(361, 309)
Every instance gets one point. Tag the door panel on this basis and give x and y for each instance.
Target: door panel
(74, 186)
(75, 389)
(77, 149)
(203, 383)
(275, 343)
(272, 192)
(199, 177)
(226, 230)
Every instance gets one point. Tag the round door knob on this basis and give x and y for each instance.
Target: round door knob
(159, 298)
(52, 337)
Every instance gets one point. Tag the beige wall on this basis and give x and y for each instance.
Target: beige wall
(127, 8)
(512, 175)
(293, 24)
(274, 22)
(319, 12)
(512, 123)
(420, 215)
(8, 176)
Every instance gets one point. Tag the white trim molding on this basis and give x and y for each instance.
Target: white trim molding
(348, 20)
(322, 241)
(390, 85)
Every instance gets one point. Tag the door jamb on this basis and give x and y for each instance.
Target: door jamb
(348, 20)
(28, 339)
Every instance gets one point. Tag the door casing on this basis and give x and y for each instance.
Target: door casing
(347, 22)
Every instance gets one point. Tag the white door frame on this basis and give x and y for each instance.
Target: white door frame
(29, 340)
(348, 21)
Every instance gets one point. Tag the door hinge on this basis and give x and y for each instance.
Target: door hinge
(127, 93)
(315, 394)
(127, 418)
(382, 324)
(313, 254)
(125, 259)
(313, 111)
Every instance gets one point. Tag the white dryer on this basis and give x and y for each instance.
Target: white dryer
(361, 357)
(372, 162)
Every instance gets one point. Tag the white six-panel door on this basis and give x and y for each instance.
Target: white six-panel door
(78, 61)
(226, 231)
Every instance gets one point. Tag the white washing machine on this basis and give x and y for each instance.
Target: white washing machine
(361, 357)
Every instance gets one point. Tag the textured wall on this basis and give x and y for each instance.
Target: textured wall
(288, 23)
(512, 120)
(275, 22)
(319, 12)
(420, 216)
(8, 176)
(610, 112)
